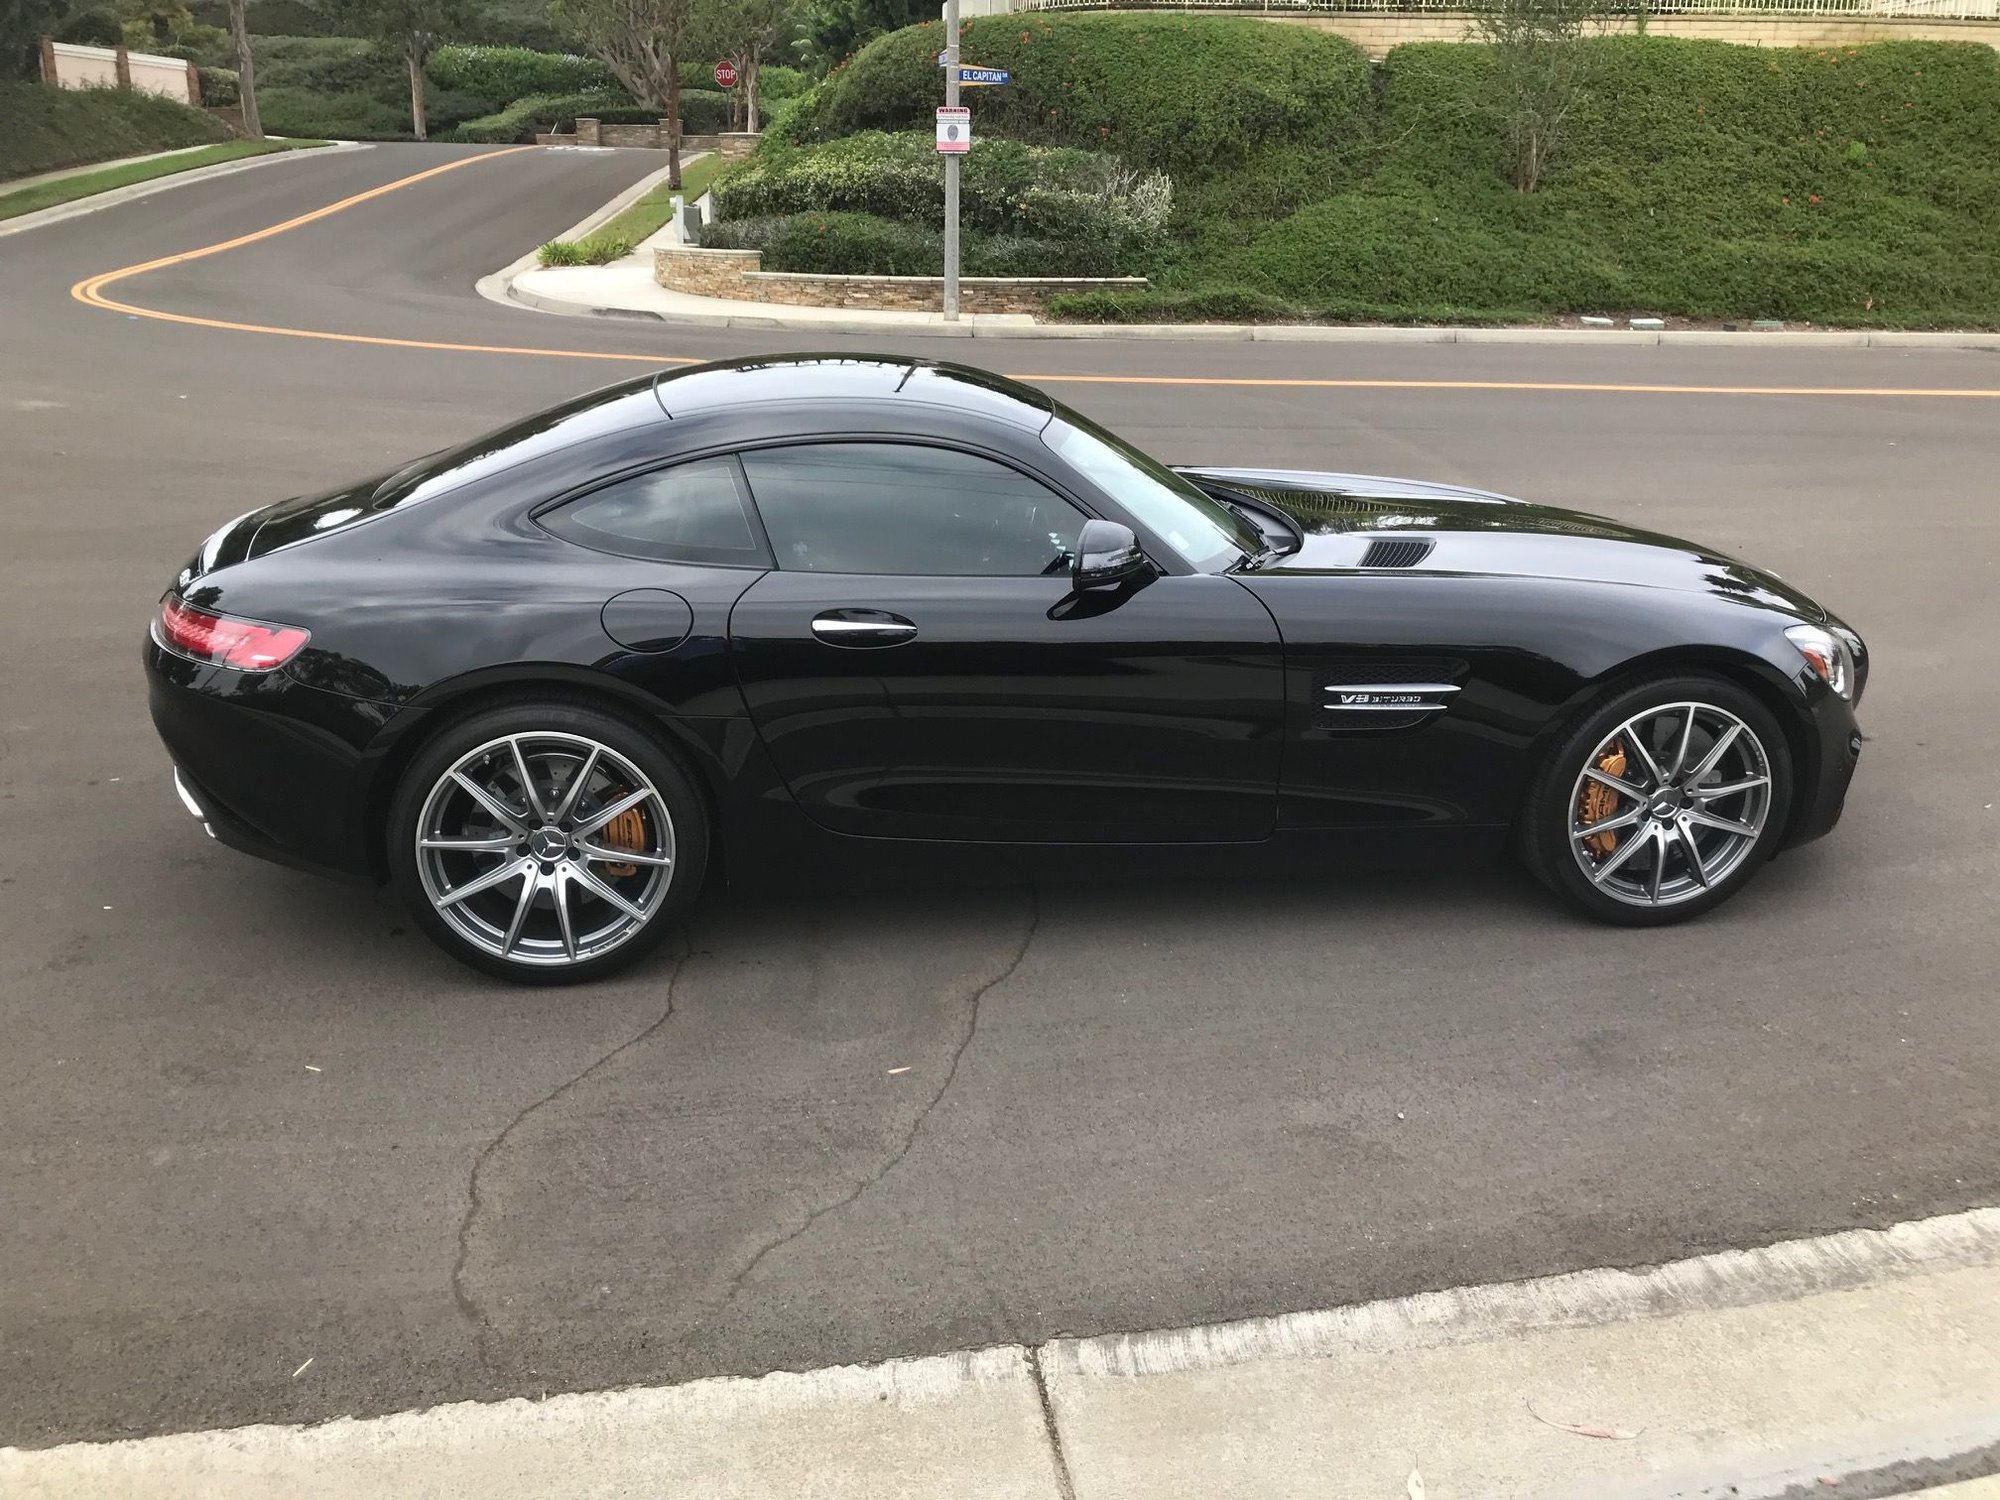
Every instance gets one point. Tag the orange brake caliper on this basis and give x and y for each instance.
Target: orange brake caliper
(1598, 803)
(626, 831)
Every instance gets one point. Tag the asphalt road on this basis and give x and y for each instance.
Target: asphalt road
(248, 1119)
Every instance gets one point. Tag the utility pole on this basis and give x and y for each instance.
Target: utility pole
(951, 167)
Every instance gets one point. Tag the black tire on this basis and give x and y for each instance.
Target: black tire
(1552, 836)
(542, 945)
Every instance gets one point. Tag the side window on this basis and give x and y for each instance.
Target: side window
(909, 509)
(693, 513)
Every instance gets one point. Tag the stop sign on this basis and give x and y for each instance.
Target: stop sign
(725, 74)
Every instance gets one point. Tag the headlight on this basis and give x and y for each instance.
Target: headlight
(1828, 654)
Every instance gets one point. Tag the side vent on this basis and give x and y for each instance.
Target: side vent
(1397, 552)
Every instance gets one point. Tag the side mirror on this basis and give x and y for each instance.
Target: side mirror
(1107, 554)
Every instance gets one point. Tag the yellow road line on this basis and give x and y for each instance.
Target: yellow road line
(91, 291)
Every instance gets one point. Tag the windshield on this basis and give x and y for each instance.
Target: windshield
(1204, 531)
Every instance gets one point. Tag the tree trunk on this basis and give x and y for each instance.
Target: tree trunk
(673, 124)
(417, 123)
(749, 82)
(246, 69)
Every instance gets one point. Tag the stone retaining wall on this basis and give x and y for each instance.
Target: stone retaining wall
(1377, 32)
(737, 276)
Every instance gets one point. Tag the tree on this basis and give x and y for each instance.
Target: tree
(415, 28)
(641, 42)
(23, 24)
(1540, 72)
(838, 29)
(746, 32)
(246, 69)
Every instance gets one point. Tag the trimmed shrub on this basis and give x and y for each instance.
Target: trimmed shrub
(1191, 95)
(329, 65)
(776, 84)
(220, 87)
(508, 73)
(271, 17)
(1032, 193)
(47, 129)
(849, 244)
(363, 117)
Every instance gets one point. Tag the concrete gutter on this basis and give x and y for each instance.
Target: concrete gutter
(1847, 1367)
(112, 197)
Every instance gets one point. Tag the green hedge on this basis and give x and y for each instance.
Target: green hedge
(350, 116)
(517, 72)
(1191, 95)
(1854, 186)
(524, 118)
(220, 87)
(1006, 187)
(864, 245)
(47, 129)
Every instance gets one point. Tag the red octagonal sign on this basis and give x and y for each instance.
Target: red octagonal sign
(725, 74)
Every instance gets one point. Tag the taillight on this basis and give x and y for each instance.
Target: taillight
(245, 645)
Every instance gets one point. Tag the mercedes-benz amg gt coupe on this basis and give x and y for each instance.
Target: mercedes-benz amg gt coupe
(804, 613)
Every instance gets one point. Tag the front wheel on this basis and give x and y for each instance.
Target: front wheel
(546, 843)
(1662, 803)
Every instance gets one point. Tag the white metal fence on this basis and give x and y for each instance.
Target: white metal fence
(1942, 10)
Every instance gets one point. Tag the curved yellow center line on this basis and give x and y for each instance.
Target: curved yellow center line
(91, 291)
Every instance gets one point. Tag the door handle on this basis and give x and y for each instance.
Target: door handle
(862, 627)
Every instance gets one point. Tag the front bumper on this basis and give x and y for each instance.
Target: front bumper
(1832, 751)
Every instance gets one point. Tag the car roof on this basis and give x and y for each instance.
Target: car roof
(851, 380)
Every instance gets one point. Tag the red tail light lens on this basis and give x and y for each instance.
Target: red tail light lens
(245, 645)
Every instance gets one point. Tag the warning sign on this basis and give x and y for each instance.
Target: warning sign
(954, 128)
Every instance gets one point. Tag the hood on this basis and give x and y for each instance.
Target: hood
(1357, 521)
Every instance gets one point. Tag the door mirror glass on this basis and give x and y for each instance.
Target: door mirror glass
(1107, 554)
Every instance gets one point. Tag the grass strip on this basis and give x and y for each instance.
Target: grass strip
(86, 184)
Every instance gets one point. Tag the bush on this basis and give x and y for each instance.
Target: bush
(1006, 188)
(360, 117)
(220, 87)
(776, 84)
(508, 73)
(593, 250)
(524, 118)
(850, 244)
(271, 17)
(47, 129)
(1701, 179)
(329, 65)
(1191, 95)
(92, 28)
(1222, 305)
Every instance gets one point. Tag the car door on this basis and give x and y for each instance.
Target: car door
(919, 664)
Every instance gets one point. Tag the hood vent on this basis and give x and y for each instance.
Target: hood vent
(1398, 552)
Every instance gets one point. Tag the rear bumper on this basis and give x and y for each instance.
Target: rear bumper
(275, 769)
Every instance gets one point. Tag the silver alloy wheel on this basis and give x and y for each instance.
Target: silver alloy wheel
(1669, 804)
(544, 848)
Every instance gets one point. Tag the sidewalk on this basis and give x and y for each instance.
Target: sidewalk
(1857, 1365)
(15, 184)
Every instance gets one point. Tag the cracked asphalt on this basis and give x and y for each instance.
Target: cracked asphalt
(248, 1119)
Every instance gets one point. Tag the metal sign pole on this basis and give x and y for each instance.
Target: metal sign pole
(951, 167)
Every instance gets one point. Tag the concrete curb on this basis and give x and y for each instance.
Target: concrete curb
(1275, 333)
(112, 197)
(1833, 1366)
(499, 286)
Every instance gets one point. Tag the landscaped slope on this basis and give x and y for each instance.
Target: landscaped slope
(1858, 186)
(44, 129)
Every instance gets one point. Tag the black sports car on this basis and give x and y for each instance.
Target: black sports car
(773, 613)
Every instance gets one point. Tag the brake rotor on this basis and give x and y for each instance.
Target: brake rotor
(626, 831)
(1597, 803)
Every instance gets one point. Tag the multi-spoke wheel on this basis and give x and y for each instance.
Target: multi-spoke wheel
(546, 842)
(1662, 803)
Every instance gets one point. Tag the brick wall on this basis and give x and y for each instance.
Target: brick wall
(1375, 34)
(736, 276)
(733, 145)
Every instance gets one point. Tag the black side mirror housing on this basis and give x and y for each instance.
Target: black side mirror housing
(1107, 555)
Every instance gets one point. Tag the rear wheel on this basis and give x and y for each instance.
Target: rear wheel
(546, 842)
(1662, 803)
